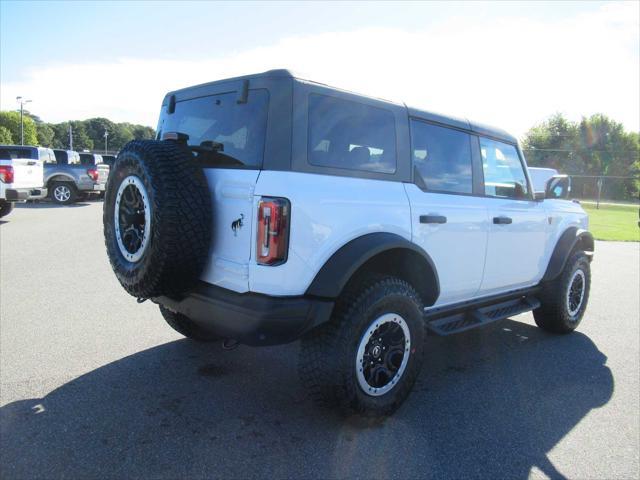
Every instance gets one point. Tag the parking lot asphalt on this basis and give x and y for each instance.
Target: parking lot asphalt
(93, 385)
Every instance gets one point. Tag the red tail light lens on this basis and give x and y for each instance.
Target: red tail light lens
(93, 173)
(273, 230)
(6, 174)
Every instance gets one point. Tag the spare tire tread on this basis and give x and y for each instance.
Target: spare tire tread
(180, 204)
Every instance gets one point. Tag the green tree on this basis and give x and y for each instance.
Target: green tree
(81, 140)
(141, 132)
(60, 135)
(96, 127)
(5, 136)
(45, 134)
(597, 145)
(11, 121)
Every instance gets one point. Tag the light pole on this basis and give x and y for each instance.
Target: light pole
(106, 136)
(22, 101)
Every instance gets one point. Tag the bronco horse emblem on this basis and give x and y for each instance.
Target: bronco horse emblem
(237, 225)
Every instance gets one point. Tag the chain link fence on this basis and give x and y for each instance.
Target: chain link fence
(605, 188)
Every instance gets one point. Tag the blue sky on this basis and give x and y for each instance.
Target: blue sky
(102, 42)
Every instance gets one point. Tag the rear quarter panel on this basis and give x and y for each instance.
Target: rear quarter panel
(326, 212)
(71, 173)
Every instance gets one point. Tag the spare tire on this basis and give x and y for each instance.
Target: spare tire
(157, 218)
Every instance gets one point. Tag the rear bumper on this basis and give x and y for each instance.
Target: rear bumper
(250, 318)
(17, 194)
(88, 188)
(38, 193)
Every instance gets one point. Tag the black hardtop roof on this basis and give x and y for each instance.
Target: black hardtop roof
(447, 120)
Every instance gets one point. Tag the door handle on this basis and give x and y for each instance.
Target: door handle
(433, 219)
(502, 220)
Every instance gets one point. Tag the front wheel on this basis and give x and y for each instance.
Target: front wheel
(564, 300)
(366, 359)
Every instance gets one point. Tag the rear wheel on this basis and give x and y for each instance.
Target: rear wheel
(63, 193)
(5, 208)
(366, 359)
(184, 326)
(564, 300)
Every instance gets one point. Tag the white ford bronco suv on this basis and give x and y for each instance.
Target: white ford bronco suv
(272, 208)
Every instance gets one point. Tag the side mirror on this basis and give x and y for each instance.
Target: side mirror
(558, 187)
(539, 196)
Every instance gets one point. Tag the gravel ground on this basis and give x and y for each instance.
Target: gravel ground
(95, 385)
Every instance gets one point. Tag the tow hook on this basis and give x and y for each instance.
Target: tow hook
(230, 344)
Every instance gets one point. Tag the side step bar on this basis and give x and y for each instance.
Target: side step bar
(459, 322)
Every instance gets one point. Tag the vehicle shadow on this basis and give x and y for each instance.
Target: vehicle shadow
(489, 404)
(39, 205)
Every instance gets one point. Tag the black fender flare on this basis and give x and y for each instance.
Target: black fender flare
(566, 244)
(336, 272)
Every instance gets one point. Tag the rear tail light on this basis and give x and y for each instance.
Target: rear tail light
(273, 230)
(6, 174)
(93, 173)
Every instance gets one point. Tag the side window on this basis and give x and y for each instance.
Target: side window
(503, 172)
(351, 135)
(442, 157)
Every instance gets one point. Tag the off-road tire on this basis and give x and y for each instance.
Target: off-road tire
(5, 208)
(180, 218)
(181, 324)
(327, 363)
(73, 193)
(554, 315)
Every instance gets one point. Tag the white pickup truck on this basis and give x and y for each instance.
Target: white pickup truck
(21, 175)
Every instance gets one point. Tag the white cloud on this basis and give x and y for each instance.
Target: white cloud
(511, 72)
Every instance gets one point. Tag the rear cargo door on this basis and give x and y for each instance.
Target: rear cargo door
(232, 206)
(228, 134)
(28, 173)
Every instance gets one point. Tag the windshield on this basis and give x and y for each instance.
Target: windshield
(237, 129)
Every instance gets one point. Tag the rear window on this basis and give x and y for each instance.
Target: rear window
(351, 135)
(239, 128)
(9, 153)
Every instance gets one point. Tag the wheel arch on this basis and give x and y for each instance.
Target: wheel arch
(571, 238)
(60, 177)
(384, 253)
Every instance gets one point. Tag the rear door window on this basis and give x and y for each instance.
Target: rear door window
(503, 171)
(351, 135)
(442, 158)
(237, 129)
